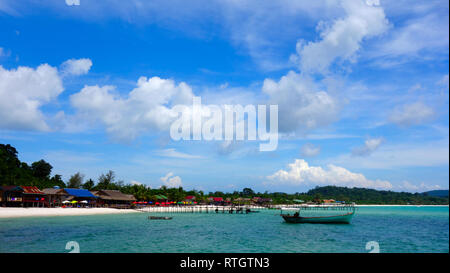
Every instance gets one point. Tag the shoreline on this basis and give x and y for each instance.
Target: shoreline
(49, 212)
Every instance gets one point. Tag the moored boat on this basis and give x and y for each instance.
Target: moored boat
(159, 218)
(334, 219)
(335, 214)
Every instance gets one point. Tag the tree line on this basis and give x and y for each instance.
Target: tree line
(15, 172)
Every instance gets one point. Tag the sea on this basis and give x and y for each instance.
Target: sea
(393, 229)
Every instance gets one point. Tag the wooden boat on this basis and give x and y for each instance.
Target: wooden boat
(333, 219)
(159, 218)
(332, 214)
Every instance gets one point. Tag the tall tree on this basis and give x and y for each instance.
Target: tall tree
(247, 192)
(56, 180)
(75, 181)
(89, 185)
(105, 180)
(41, 169)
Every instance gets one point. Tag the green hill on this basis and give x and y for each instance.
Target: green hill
(371, 196)
(437, 193)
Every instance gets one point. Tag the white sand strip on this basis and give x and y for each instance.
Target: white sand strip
(35, 212)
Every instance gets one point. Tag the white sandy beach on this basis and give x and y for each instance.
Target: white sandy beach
(35, 212)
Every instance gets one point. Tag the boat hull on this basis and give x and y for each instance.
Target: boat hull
(159, 218)
(335, 219)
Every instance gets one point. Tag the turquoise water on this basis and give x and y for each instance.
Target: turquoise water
(396, 229)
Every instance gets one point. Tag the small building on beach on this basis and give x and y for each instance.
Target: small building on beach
(56, 196)
(22, 196)
(161, 198)
(242, 201)
(11, 196)
(81, 196)
(114, 199)
(33, 197)
(216, 200)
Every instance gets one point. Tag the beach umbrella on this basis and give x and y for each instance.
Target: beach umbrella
(73, 202)
(65, 202)
(84, 202)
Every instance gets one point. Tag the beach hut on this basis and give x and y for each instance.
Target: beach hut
(216, 200)
(80, 195)
(33, 197)
(264, 201)
(242, 200)
(160, 198)
(55, 196)
(114, 198)
(189, 199)
(11, 196)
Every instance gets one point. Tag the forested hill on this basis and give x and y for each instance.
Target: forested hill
(437, 193)
(370, 196)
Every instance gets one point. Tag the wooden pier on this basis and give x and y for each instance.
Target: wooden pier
(244, 209)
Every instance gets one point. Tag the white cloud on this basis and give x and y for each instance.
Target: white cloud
(399, 155)
(309, 150)
(422, 187)
(424, 33)
(175, 154)
(412, 114)
(22, 92)
(171, 181)
(147, 107)
(133, 182)
(300, 173)
(370, 145)
(343, 38)
(301, 104)
(443, 81)
(76, 66)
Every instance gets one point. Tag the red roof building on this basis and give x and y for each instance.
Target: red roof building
(31, 190)
(215, 199)
(32, 196)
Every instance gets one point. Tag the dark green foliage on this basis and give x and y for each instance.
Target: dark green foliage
(437, 193)
(41, 169)
(75, 181)
(89, 185)
(370, 196)
(15, 172)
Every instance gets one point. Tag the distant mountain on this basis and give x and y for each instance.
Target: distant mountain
(437, 193)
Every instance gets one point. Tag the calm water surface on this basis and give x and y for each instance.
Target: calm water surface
(396, 229)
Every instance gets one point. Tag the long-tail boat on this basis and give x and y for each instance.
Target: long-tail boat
(329, 214)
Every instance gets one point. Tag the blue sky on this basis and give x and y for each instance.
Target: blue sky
(362, 89)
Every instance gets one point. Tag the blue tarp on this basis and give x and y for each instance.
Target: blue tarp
(80, 193)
